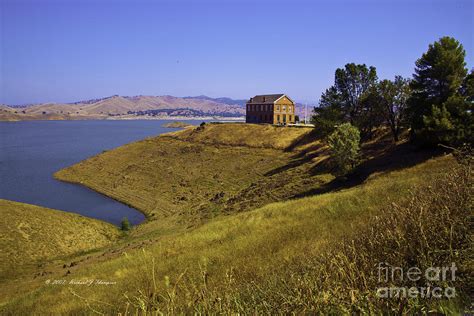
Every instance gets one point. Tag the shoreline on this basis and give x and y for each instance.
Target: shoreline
(145, 220)
(134, 118)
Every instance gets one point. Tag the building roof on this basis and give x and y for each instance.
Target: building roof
(265, 98)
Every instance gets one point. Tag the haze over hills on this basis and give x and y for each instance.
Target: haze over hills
(130, 107)
(224, 100)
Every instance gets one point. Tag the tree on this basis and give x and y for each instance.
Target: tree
(329, 113)
(437, 101)
(467, 88)
(371, 115)
(125, 224)
(344, 145)
(394, 97)
(343, 102)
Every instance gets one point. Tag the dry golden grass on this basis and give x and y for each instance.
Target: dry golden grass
(31, 234)
(236, 263)
(242, 134)
(183, 181)
(264, 260)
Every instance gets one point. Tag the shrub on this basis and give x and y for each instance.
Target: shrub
(125, 224)
(344, 144)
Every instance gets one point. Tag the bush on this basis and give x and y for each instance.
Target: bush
(344, 144)
(125, 224)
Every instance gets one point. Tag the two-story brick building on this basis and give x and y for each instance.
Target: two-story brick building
(270, 109)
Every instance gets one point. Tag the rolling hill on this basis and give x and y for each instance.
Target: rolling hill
(242, 222)
(129, 107)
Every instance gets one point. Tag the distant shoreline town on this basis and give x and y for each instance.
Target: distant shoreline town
(131, 108)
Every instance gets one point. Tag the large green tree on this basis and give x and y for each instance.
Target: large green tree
(467, 88)
(343, 102)
(394, 97)
(329, 112)
(439, 112)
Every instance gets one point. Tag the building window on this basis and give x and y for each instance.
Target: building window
(278, 118)
(278, 108)
(284, 108)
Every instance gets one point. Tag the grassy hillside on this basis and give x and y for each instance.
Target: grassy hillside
(248, 218)
(30, 233)
(183, 181)
(241, 134)
(270, 259)
(185, 177)
(38, 243)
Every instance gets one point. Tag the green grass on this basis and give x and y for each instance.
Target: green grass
(240, 259)
(246, 221)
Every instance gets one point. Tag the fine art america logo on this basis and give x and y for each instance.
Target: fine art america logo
(432, 277)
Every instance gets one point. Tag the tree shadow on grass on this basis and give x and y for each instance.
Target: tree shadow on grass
(300, 158)
(384, 160)
(303, 140)
(304, 148)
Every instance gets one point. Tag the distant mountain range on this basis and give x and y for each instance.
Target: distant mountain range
(223, 100)
(130, 107)
(125, 107)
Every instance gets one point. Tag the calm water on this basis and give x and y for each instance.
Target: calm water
(31, 152)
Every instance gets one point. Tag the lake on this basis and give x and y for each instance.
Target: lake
(31, 152)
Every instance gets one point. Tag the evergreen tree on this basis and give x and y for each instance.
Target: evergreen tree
(438, 110)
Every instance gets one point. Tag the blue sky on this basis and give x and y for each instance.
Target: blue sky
(64, 51)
